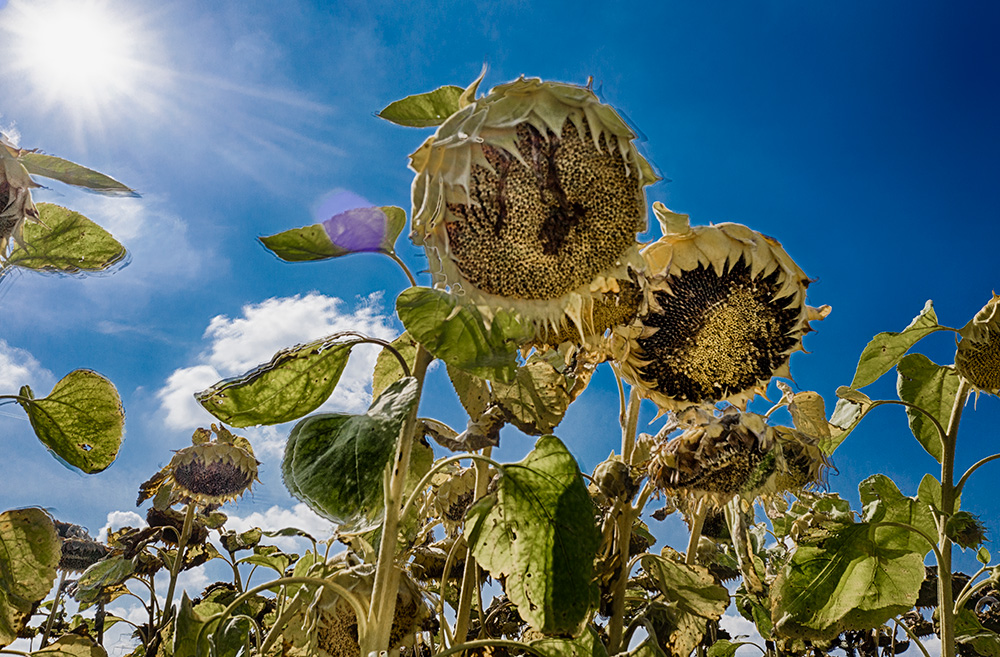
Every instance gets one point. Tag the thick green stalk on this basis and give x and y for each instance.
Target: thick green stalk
(386, 572)
(626, 517)
(946, 604)
(175, 567)
(470, 576)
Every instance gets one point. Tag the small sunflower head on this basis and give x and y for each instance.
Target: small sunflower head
(530, 198)
(16, 205)
(79, 550)
(717, 457)
(978, 355)
(724, 310)
(966, 529)
(803, 464)
(212, 471)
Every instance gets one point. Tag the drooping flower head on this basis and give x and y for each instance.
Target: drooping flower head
(209, 471)
(716, 457)
(530, 199)
(978, 355)
(724, 310)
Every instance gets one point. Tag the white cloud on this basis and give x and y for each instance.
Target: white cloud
(276, 517)
(737, 626)
(18, 367)
(239, 344)
(117, 520)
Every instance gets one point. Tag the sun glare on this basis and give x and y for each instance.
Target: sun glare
(82, 55)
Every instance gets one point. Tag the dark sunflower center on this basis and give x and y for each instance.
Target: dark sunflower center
(979, 362)
(215, 478)
(541, 228)
(727, 464)
(717, 335)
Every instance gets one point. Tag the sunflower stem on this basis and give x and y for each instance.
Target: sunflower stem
(627, 515)
(470, 577)
(946, 604)
(52, 612)
(697, 522)
(175, 567)
(386, 587)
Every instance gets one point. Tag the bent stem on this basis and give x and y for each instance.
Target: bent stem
(949, 491)
(470, 577)
(386, 586)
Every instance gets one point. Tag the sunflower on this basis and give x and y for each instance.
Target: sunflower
(978, 355)
(716, 457)
(209, 472)
(529, 199)
(724, 310)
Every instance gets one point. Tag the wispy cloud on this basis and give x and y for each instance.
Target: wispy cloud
(237, 345)
(18, 367)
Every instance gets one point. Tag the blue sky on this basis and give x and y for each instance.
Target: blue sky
(864, 136)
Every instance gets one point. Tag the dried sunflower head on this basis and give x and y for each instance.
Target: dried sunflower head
(978, 355)
(724, 310)
(803, 464)
(716, 457)
(530, 198)
(209, 472)
(16, 205)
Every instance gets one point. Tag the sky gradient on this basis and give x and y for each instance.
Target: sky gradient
(863, 136)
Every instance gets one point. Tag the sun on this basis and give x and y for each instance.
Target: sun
(86, 56)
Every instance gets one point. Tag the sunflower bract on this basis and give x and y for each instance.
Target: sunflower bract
(530, 199)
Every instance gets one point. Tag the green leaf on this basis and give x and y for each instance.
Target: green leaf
(647, 648)
(334, 462)
(845, 579)
(726, 648)
(66, 242)
(886, 349)
(932, 388)
(457, 334)
(71, 645)
(537, 400)
(473, 392)
(424, 110)
(395, 222)
(71, 173)
(295, 382)
(884, 503)
(587, 644)
(538, 531)
(303, 244)
(103, 574)
(81, 421)
(274, 559)
(187, 626)
(387, 367)
(692, 600)
(30, 549)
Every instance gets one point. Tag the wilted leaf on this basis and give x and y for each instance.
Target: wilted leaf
(538, 531)
(66, 242)
(30, 549)
(473, 392)
(295, 382)
(102, 575)
(334, 462)
(424, 110)
(692, 600)
(457, 334)
(387, 367)
(886, 349)
(969, 631)
(809, 414)
(394, 224)
(73, 174)
(932, 388)
(538, 398)
(81, 421)
(850, 408)
(71, 645)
